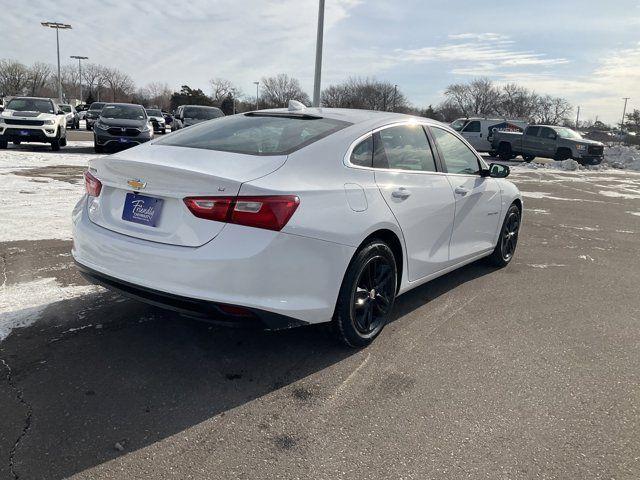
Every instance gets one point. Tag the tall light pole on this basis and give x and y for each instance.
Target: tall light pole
(578, 118)
(80, 71)
(57, 26)
(257, 84)
(318, 74)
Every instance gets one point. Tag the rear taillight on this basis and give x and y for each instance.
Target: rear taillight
(269, 212)
(92, 185)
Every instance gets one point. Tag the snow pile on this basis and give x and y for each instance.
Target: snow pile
(622, 157)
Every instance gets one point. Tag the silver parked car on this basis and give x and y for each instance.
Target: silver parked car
(73, 119)
(187, 115)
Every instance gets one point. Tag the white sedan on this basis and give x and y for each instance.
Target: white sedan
(293, 216)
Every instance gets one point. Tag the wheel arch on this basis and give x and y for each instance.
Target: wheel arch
(395, 244)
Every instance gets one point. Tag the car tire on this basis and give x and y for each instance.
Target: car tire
(504, 152)
(164, 130)
(17, 142)
(97, 148)
(55, 144)
(87, 126)
(508, 239)
(528, 158)
(493, 153)
(3, 144)
(366, 296)
(63, 141)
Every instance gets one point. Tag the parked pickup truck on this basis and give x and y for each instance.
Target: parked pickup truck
(548, 141)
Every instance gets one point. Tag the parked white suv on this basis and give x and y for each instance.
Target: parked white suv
(33, 119)
(479, 131)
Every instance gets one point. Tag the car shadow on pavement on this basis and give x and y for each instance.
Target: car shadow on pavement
(100, 375)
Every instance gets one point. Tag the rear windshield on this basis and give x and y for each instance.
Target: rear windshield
(31, 105)
(129, 112)
(200, 113)
(154, 113)
(96, 106)
(255, 134)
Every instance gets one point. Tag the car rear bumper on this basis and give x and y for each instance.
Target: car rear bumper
(279, 273)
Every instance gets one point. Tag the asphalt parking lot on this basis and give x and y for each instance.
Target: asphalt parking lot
(520, 373)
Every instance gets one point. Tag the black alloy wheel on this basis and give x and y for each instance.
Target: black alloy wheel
(508, 240)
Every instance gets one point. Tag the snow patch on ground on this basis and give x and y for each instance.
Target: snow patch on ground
(637, 214)
(22, 304)
(586, 257)
(545, 265)
(613, 194)
(539, 211)
(586, 229)
(38, 208)
(622, 157)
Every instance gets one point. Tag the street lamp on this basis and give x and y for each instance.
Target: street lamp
(318, 72)
(79, 58)
(257, 93)
(57, 26)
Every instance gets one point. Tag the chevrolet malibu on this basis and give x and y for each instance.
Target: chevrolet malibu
(293, 216)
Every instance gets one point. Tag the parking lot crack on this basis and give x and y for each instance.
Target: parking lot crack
(27, 420)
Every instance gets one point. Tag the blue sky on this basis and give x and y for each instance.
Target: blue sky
(587, 51)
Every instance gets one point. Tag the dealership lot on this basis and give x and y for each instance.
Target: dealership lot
(526, 372)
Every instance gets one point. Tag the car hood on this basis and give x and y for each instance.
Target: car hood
(123, 122)
(16, 114)
(586, 141)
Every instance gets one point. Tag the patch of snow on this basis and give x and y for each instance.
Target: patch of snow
(587, 229)
(546, 265)
(637, 214)
(45, 212)
(539, 211)
(612, 194)
(18, 310)
(548, 196)
(586, 257)
(626, 231)
(622, 157)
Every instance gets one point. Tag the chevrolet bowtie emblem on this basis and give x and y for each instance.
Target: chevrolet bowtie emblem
(136, 184)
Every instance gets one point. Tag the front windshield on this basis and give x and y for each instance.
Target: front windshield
(65, 108)
(459, 124)
(31, 105)
(567, 133)
(96, 106)
(129, 112)
(200, 113)
(154, 113)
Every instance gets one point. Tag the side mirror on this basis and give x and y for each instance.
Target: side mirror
(497, 170)
(60, 112)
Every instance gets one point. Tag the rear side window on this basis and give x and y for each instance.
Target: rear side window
(362, 154)
(404, 147)
(256, 134)
(456, 155)
(532, 131)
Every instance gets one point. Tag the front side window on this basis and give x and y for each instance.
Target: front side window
(255, 133)
(565, 132)
(362, 154)
(456, 155)
(65, 108)
(547, 133)
(404, 147)
(472, 127)
(459, 124)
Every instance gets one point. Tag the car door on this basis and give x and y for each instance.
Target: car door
(530, 141)
(477, 199)
(473, 134)
(419, 196)
(547, 141)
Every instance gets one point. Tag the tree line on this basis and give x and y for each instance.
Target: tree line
(478, 97)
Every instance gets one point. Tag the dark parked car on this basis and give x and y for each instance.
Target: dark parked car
(93, 113)
(187, 115)
(168, 118)
(121, 125)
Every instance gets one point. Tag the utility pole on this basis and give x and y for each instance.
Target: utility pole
(318, 73)
(578, 118)
(257, 93)
(80, 71)
(57, 26)
(624, 111)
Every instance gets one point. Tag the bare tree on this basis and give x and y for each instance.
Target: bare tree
(221, 89)
(155, 94)
(479, 97)
(365, 93)
(552, 110)
(278, 90)
(14, 77)
(517, 102)
(92, 75)
(39, 76)
(119, 83)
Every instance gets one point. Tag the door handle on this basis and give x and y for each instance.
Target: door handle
(401, 193)
(480, 135)
(462, 190)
